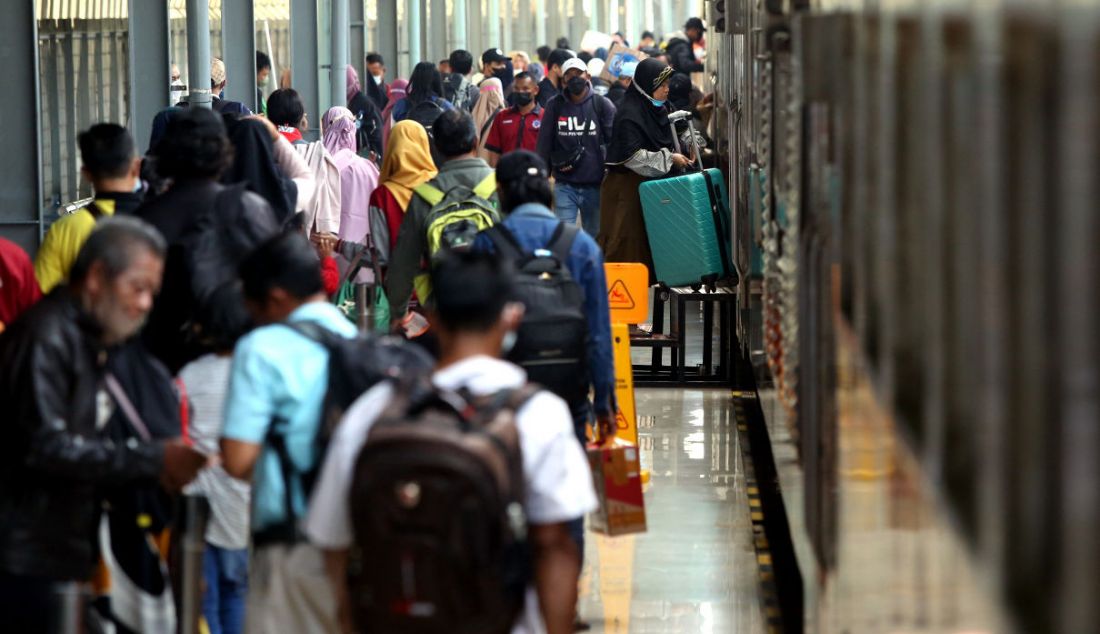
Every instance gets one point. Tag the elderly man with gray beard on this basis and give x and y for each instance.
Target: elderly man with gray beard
(57, 459)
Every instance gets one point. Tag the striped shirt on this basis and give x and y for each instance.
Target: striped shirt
(207, 381)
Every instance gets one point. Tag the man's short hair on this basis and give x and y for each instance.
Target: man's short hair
(470, 290)
(695, 23)
(559, 57)
(648, 34)
(286, 261)
(522, 75)
(194, 145)
(115, 243)
(543, 53)
(462, 61)
(262, 61)
(285, 107)
(563, 42)
(106, 150)
(376, 58)
(454, 133)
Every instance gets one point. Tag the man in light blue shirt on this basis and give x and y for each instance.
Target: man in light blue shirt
(272, 414)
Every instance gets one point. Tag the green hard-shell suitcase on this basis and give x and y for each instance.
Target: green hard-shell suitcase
(687, 219)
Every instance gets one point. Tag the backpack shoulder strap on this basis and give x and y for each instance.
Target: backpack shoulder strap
(511, 400)
(561, 243)
(430, 193)
(313, 331)
(505, 242)
(487, 186)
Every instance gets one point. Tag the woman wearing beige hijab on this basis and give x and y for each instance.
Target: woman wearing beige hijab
(489, 103)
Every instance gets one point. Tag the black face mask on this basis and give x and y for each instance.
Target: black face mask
(522, 98)
(577, 85)
(502, 74)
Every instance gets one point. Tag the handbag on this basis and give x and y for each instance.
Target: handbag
(346, 300)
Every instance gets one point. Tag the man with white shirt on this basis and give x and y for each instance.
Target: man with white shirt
(473, 317)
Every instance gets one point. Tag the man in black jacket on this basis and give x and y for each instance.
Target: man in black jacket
(681, 47)
(57, 459)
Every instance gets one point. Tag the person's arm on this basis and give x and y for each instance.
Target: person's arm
(59, 249)
(557, 568)
(239, 457)
(405, 260)
(294, 167)
(650, 164)
(547, 130)
(492, 142)
(249, 408)
(43, 411)
(601, 355)
(607, 121)
(376, 134)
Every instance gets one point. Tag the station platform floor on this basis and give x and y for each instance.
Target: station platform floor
(695, 568)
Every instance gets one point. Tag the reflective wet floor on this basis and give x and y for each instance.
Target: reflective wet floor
(694, 570)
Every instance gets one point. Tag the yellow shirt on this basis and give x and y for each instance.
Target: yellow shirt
(62, 244)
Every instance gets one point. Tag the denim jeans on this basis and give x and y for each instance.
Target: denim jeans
(226, 574)
(569, 199)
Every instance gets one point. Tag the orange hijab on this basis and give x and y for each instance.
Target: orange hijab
(407, 161)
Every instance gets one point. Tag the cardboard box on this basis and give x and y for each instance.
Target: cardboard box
(617, 474)
(616, 57)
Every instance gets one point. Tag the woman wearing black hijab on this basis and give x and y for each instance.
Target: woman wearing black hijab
(254, 163)
(641, 149)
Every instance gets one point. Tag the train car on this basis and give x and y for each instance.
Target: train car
(915, 194)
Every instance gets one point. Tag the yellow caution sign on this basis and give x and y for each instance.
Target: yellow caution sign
(627, 292)
(626, 422)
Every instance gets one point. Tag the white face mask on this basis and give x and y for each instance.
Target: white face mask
(378, 79)
(509, 342)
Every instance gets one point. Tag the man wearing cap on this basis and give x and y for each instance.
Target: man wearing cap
(494, 63)
(681, 47)
(622, 84)
(575, 131)
(550, 85)
(218, 81)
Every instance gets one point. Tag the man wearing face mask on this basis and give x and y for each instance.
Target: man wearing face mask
(58, 397)
(377, 88)
(516, 128)
(576, 129)
(494, 63)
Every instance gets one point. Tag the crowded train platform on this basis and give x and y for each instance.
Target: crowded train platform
(549, 316)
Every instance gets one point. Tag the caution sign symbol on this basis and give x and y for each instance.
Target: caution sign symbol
(618, 297)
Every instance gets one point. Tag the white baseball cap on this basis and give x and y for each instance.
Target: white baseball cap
(574, 63)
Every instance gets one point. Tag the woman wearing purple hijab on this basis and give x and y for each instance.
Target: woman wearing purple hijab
(368, 136)
(398, 91)
(358, 176)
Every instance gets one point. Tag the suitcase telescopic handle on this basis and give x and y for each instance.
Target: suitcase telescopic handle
(684, 115)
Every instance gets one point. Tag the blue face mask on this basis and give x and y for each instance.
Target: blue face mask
(657, 102)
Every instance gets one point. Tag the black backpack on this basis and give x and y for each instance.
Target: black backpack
(551, 345)
(355, 365)
(425, 113)
(437, 512)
